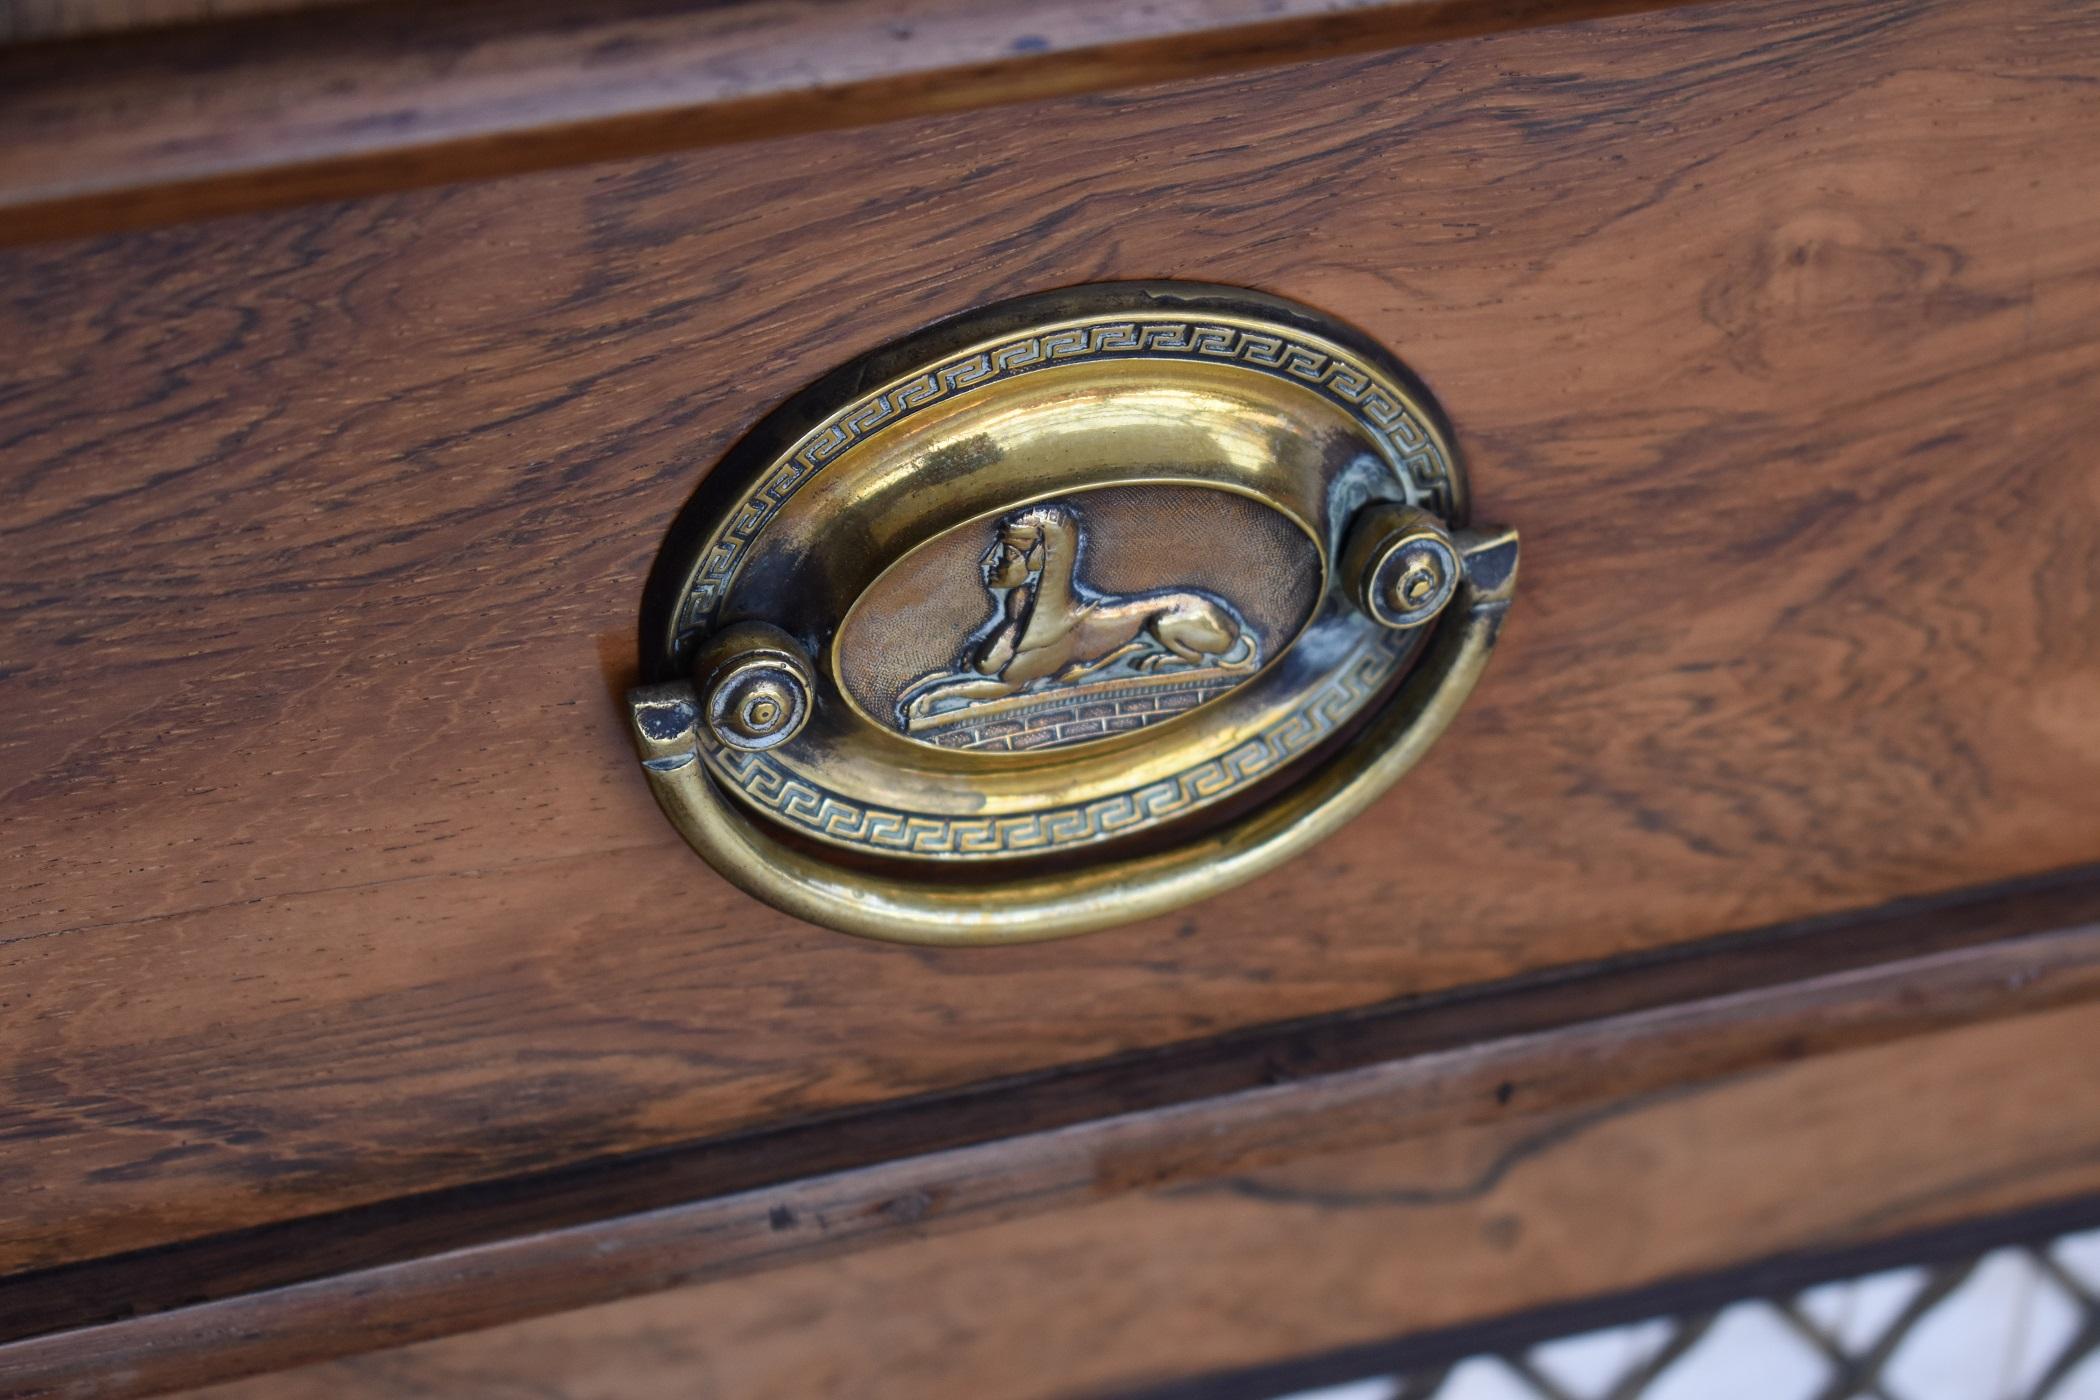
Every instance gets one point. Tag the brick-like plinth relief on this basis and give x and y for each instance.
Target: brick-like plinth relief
(1039, 722)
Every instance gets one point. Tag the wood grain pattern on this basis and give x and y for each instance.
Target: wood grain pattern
(328, 875)
(22, 20)
(1340, 1252)
(386, 97)
(272, 1297)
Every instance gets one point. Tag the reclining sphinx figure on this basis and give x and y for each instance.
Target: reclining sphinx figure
(1049, 631)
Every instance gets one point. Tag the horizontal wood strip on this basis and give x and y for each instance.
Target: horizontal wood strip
(455, 1261)
(23, 20)
(124, 134)
(1543, 1224)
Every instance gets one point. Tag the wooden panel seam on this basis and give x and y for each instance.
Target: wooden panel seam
(1870, 1147)
(1537, 1048)
(120, 133)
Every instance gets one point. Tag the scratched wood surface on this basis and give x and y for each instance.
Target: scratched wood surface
(1263, 1267)
(497, 1251)
(328, 874)
(377, 98)
(53, 19)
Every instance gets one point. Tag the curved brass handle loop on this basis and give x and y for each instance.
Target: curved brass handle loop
(668, 726)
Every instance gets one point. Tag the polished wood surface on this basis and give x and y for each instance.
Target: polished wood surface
(331, 879)
(22, 20)
(421, 1267)
(1345, 1251)
(386, 97)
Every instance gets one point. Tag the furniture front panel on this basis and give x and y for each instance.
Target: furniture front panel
(1771, 325)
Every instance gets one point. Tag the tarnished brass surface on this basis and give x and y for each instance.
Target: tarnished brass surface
(1403, 565)
(1090, 600)
(1127, 573)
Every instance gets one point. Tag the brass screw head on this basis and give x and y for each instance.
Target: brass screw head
(1406, 566)
(756, 694)
(760, 706)
(1419, 573)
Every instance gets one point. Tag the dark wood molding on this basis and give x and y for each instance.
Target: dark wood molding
(449, 1261)
(23, 21)
(130, 131)
(1342, 1251)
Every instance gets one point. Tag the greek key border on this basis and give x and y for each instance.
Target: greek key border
(795, 800)
(1420, 464)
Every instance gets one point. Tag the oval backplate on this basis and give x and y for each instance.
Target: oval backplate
(1063, 574)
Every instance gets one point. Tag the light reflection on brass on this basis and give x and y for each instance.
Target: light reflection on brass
(1403, 565)
(754, 685)
(1066, 577)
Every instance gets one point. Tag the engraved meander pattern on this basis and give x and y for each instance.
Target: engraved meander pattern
(1423, 472)
(792, 799)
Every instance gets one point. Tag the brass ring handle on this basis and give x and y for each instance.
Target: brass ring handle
(1063, 614)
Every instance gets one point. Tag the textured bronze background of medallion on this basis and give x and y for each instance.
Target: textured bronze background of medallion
(920, 620)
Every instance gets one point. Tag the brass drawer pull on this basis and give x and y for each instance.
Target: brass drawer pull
(1063, 614)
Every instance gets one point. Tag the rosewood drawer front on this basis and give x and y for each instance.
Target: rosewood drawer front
(343, 930)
